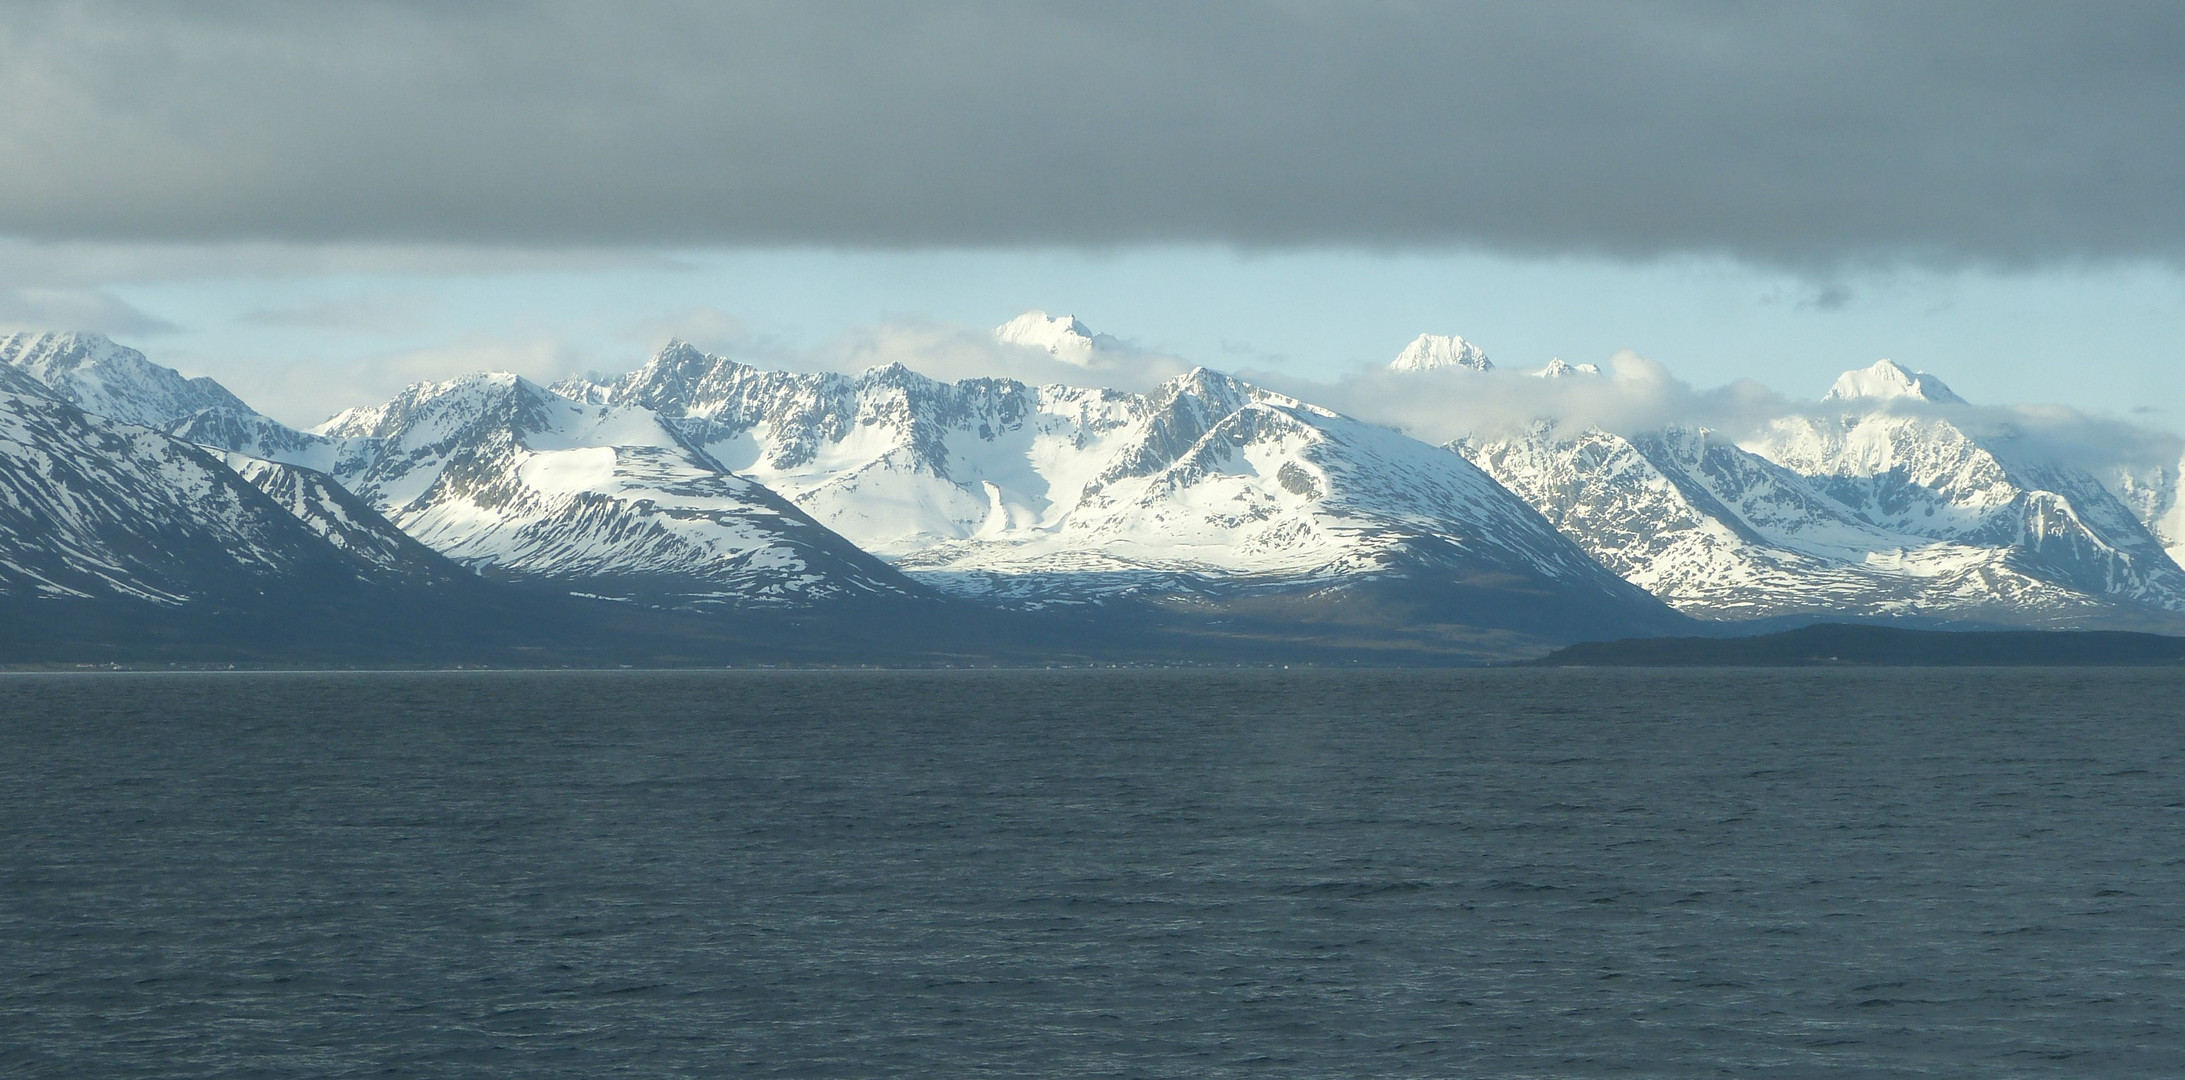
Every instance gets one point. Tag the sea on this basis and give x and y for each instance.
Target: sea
(1129, 873)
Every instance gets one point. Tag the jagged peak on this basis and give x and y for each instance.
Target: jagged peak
(79, 345)
(498, 379)
(1688, 441)
(1222, 391)
(893, 373)
(464, 394)
(1205, 380)
(591, 388)
(677, 359)
(100, 376)
(678, 351)
(1432, 352)
(1559, 368)
(1887, 380)
(475, 383)
(49, 354)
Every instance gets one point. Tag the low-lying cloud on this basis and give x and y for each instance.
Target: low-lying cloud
(954, 353)
(1630, 394)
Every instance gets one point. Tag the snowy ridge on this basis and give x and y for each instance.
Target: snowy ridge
(889, 458)
(91, 508)
(118, 383)
(1864, 509)
(1722, 533)
(996, 489)
(696, 480)
(517, 481)
(2151, 494)
(343, 519)
(1923, 476)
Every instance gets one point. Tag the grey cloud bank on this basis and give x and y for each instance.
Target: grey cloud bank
(1795, 135)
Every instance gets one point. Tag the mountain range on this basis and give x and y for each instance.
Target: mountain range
(1876, 504)
(699, 499)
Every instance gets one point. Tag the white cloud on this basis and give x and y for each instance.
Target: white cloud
(36, 308)
(1635, 395)
(1631, 394)
(936, 350)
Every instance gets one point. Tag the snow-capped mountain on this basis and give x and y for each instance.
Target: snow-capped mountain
(1923, 476)
(516, 481)
(109, 380)
(1888, 380)
(1431, 352)
(1559, 368)
(698, 481)
(1878, 505)
(95, 509)
(2152, 494)
(498, 474)
(1060, 336)
(347, 522)
(995, 489)
(892, 459)
(118, 383)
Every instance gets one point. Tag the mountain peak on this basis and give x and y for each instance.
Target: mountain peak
(1062, 336)
(52, 352)
(1559, 368)
(115, 381)
(679, 353)
(1888, 379)
(1429, 352)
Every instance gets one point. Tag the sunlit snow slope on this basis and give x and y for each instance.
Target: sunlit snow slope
(517, 481)
(92, 508)
(110, 380)
(1036, 495)
(1876, 504)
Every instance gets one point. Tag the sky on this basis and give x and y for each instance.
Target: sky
(318, 204)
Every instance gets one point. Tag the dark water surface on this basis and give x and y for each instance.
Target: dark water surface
(1511, 874)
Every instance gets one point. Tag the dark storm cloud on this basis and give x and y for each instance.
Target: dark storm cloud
(1800, 134)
